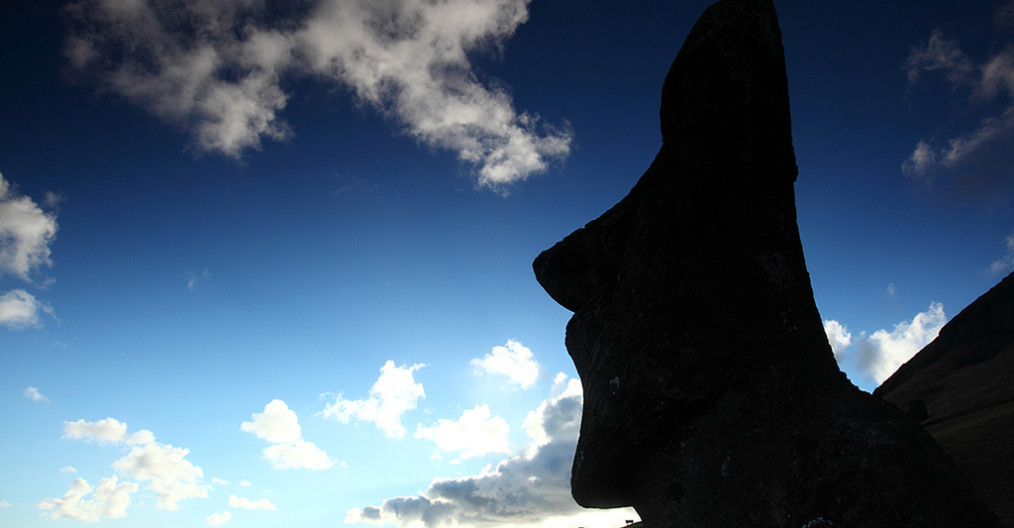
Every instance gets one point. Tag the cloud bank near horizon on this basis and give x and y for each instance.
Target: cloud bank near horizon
(531, 488)
(220, 71)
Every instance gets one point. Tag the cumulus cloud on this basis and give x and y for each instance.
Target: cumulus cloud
(218, 519)
(163, 467)
(301, 454)
(881, 353)
(530, 489)
(167, 472)
(4, 504)
(107, 430)
(884, 351)
(108, 500)
(26, 232)
(20, 309)
(513, 360)
(218, 69)
(394, 393)
(247, 504)
(279, 425)
(980, 157)
(32, 393)
(475, 434)
(558, 417)
(219, 482)
(838, 336)
(68, 470)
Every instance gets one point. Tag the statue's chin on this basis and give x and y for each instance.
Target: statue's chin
(603, 472)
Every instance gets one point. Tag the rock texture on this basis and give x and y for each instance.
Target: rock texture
(961, 386)
(711, 394)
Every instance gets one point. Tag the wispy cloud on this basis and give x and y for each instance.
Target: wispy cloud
(393, 394)
(513, 360)
(194, 278)
(475, 434)
(980, 158)
(32, 393)
(218, 69)
(1005, 263)
(279, 426)
(530, 489)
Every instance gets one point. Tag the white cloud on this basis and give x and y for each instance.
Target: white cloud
(838, 336)
(279, 425)
(987, 148)
(219, 73)
(883, 352)
(1005, 263)
(168, 473)
(218, 519)
(32, 393)
(245, 483)
(513, 360)
(26, 232)
(20, 309)
(559, 417)
(247, 504)
(68, 470)
(108, 500)
(301, 454)
(475, 434)
(878, 355)
(219, 482)
(164, 467)
(4, 504)
(531, 489)
(106, 430)
(394, 393)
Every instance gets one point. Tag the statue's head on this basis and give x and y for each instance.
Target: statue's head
(696, 279)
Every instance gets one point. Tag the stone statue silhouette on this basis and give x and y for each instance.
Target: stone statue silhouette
(712, 397)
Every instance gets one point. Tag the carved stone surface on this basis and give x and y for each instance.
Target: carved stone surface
(711, 394)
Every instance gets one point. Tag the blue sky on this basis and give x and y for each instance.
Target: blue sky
(271, 266)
